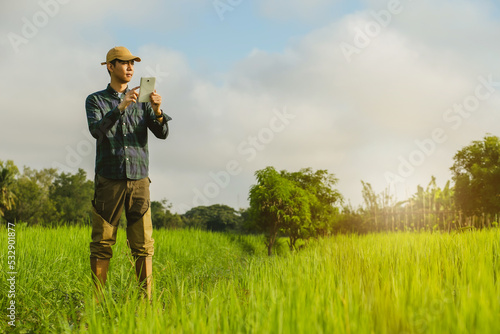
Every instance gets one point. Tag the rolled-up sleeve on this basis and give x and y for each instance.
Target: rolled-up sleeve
(159, 129)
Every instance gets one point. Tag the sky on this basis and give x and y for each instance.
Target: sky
(380, 91)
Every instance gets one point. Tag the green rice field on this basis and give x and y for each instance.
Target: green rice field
(222, 283)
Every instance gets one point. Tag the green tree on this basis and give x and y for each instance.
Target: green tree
(476, 173)
(215, 217)
(298, 222)
(320, 186)
(72, 196)
(278, 205)
(223, 218)
(351, 220)
(32, 190)
(162, 216)
(8, 173)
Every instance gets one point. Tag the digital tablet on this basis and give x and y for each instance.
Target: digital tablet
(147, 87)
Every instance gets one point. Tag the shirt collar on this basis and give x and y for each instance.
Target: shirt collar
(114, 92)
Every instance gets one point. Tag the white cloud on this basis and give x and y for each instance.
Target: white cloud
(296, 9)
(359, 118)
(356, 119)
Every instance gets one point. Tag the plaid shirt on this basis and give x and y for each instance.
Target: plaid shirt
(122, 139)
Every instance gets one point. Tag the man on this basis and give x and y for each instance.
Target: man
(120, 125)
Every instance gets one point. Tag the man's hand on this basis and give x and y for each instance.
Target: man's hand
(155, 102)
(130, 97)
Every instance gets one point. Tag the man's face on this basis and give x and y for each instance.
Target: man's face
(122, 71)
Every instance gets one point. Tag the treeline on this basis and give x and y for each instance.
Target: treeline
(44, 197)
(472, 202)
(296, 205)
(50, 198)
(430, 208)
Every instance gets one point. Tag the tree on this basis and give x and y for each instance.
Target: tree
(476, 173)
(162, 217)
(8, 173)
(72, 196)
(278, 204)
(32, 190)
(216, 217)
(320, 186)
(298, 222)
(351, 220)
(222, 218)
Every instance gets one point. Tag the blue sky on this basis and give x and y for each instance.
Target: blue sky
(291, 84)
(216, 40)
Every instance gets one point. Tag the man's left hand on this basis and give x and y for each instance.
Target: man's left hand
(155, 102)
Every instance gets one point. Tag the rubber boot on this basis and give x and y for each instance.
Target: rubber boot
(99, 269)
(144, 271)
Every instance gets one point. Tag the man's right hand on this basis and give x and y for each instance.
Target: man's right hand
(130, 97)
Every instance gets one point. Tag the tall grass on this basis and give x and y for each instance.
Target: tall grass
(220, 283)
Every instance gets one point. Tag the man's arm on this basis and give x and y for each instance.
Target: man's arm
(98, 123)
(158, 125)
(158, 122)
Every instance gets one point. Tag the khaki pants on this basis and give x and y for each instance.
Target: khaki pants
(110, 198)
